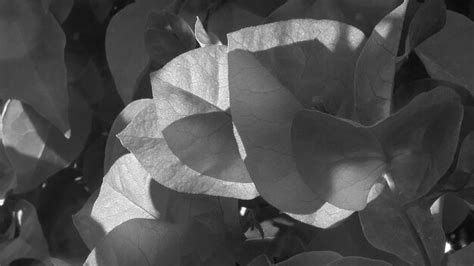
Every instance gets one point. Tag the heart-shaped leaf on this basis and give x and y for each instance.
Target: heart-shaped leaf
(192, 88)
(262, 107)
(348, 164)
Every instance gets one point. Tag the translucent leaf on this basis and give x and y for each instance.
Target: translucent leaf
(125, 45)
(144, 138)
(192, 87)
(348, 164)
(262, 107)
(167, 36)
(375, 71)
(7, 174)
(32, 67)
(363, 14)
(113, 148)
(36, 149)
(347, 169)
(125, 194)
(465, 256)
(206, 143)
(293, 52)
(203, 37)
(410, 232)
(30, 242)
(448, 54)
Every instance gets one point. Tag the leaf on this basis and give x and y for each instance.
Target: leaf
(203, 37)
(167, 36)
(113, 148)
(375, 70)
(152, 242)
(363, 14)
(36, 149)
(429, 18)
(358, 261)
(101, 8)
(292, 52)
(32, 67)
(411, 150)
(7, 174)
(465, 256)
(129, 192)
(261, 260)
(345, 170)
(447, 55)
(30, 242)
(125, 194)
(316, 258)
(125, 45)
(347, 239)
(263, 107)
(200, 89)
(228, 18)
(466, 155)
(455, 211)
(409, 231)
(61, 9)
(206, 144)
(138, 242)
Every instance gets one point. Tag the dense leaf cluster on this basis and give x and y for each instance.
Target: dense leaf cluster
(235, 132)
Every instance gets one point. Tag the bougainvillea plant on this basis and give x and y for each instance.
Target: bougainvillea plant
(239, 132)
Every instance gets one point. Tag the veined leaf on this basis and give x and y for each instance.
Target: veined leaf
(348, 164)
(363, 14)
(192, 88)
(265, 97)
(36, 148)
(375, 71)
(114, 148)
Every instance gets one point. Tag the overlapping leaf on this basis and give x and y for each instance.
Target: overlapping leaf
(114, 148)
(36, 149)
(448, 54)
(125, 45)
(348, 164)
(363, 14)
(465, 256)
(375, 71)
(32, 65)
(167, 36)
(190, 98)
(153, 242)
(265, 96)
(410, 232)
